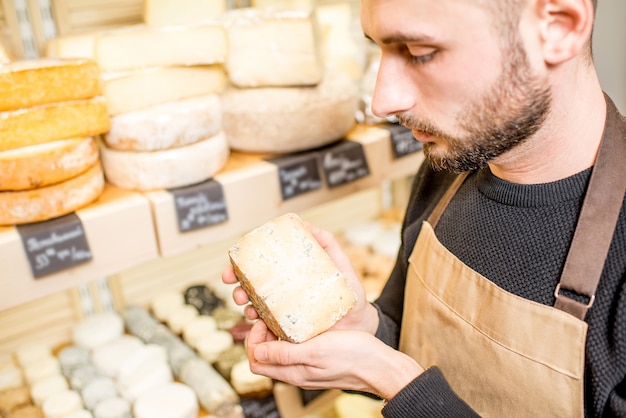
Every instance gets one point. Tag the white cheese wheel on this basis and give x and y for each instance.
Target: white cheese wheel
(164, 303)
(33, 82)
(52, 122)
(292, 282)
(62, 404)
(11, 377)
(167, 125)
(108, 357)
(175, 167)
(213, 344)
(98, 329)
(180, 317)
(52, 201)
(169, 12)
(197, 328)
(45, 388)
(171, 400)
(42, 369)
(112, 408)
(289, 119)
(144, 379)
(45, 164)
(245, 382)
(282, 45)
(97, 390)
(134, 90)
(142, 46)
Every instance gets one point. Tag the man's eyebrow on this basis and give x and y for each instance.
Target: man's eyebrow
(403, 39)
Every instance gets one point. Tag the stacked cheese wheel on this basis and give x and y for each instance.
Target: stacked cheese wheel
(286, 101)
(50, 110)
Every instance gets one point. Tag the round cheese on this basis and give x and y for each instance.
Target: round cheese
(180, 317)
(167, 125)
(112, 408)
(97, 390)
(42, 369)
(108, 358)
(197, 328)
(171, 400)
(31, 353)
(290, 119)
(164, 303)
(45, 388)
(211, 345)
(72, 357)
(82, 375)
(45, 164)
(52, 201)
(98, 330)
(245, 382)
(62, 404)
(175, 167)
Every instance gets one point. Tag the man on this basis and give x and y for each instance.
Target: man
(501, 302)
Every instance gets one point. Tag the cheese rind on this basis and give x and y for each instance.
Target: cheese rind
(282, 45)
(165, 126)
(45, 164)
(291, 281)
(51, 122)
(135, 90)
(176, 12)
(41, 81)
(175, 167)
(289, 119)
(52, 201)
(142, 46)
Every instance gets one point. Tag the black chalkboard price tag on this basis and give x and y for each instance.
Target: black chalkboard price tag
(54, 245)
(402, 141)
(343, 162)
(199, 205)
(297, 174)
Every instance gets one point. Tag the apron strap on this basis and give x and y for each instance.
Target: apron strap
(445, 199)
(597, 221)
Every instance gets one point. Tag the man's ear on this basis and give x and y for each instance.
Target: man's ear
(565, 28)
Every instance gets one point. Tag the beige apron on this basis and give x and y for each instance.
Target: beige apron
(505, 355)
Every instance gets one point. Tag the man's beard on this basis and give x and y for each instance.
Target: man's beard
(513, 110)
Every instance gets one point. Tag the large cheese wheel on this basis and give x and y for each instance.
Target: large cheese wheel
(134, 90)
(142, 46)
(45, 164)
(34, 82)
(176, 12)
(168, 125)
(52, 201)
(282, 45)
(289, 119)
(175, 167)
(51, 122)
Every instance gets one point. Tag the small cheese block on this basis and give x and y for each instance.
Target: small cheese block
(51, 122)
(167, 125)
(197, 328)
(31, 353)
(164, 303)
(45, 164)
(171, 400)
(142, 46)
(108, 357)
(180, 317)
(247, 383)
(214, 392)
(52, 201)
(72, 46)
(176, 12)
(175, 167)
(211, 345)
(292, 282)
(45, 388)
(42, 369)
(134, 90)
(115, 407)
(289, 119)
(281, 44)
(62, 404)
(35, 82)
(13, 399)
(97, 330)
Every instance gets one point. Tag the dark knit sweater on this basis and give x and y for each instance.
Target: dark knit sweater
(518, 237)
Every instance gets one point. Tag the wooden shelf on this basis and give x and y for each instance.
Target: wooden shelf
(127, 229)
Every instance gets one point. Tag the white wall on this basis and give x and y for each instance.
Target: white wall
(609, 45)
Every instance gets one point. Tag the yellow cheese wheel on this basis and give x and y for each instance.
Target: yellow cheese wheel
(53, 201)
(51, 122)
(41, 81)
(45, 164)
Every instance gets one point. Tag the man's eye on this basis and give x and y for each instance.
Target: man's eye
(422, 59)
(420, 55)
